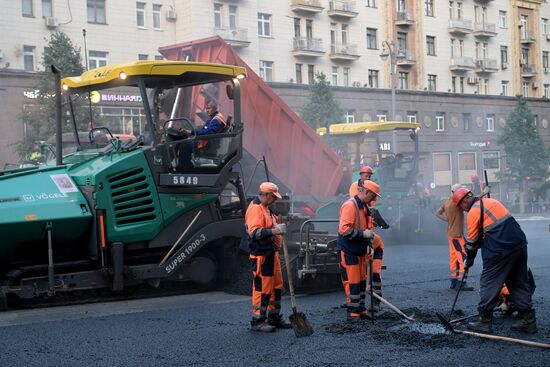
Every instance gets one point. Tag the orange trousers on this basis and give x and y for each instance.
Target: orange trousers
(267, 285)
(457, 256)
(353, 270)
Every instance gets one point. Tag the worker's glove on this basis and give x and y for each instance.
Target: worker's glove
(471, 256)
(368, 233)
(370, 251)
(279, 229)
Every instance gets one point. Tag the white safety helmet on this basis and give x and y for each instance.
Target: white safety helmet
(455, 187)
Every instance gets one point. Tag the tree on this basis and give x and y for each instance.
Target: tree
(526, 155)
(40, 116)
(321, 110)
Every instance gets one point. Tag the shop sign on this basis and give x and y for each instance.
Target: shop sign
(480, 144)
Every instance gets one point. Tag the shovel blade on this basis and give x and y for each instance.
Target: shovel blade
(445, 322)
(300, 324)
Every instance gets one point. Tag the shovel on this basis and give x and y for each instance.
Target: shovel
(450, 328)
(298, 320)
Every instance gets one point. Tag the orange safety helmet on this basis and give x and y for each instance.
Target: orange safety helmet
(371, 186)
(366, 169)
(460, 194)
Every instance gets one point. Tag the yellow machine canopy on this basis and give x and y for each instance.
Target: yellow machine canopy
(366, 127)
(153, 74)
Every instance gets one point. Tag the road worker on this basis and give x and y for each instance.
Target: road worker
(504, 252)
(454, 217)
(365, 173)
(264, 238)
(355, 235)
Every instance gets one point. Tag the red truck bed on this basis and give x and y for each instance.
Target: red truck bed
(296, 156)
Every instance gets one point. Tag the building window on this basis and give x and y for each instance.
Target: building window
(310, 73)
(47, 8)
(401, 42)
(26, 8)
(264, 25)
(490, 121)
(140, 14)
(491, 160)
(381, 116)
(346, 76)
(334, 75)
(96, 11)
(544, 25)
(430, 45)
(432, 82)
(403, 80)
(159, 57)
(461, 84)
(299, 73)
(524, 55)
(545, 90)
(371, 39)
(350, 116)
(502, 19)
(504, 87)
(485, 86)
(143, 57)
(440, 121)
(28, 58)
(373, 78)
(344, 33)
(156, 16)
(96, 59)
(370, 3)
(429, 8)
(411, 116)
(466, 118)
(233, 17)
(453, 84)
(442, 168)
(504, 56)
(217, 16)
(526, 89)
(266, 70)
(467, 161)
(545, 60)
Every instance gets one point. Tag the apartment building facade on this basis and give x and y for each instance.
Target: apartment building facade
(443, 53)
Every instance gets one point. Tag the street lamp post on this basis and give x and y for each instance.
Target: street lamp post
(388, 50)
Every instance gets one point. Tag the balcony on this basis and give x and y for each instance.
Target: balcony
(236, 37)
(343, 52)
(486, 66)
(404, 18)
(405, 58)
(460, 26)
(485, 29)
(307, 6)
(528, 70)
(312, 47)
(342, 9)
(527, 37)
(462, 64)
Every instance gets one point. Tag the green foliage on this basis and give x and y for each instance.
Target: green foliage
(526, 155)
(321, 110)
(40, 117)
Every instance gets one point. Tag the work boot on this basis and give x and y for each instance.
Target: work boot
(484, 324)
(527, 322)
(359, 313)
(261, 325)
(278, 322)
(453, 284)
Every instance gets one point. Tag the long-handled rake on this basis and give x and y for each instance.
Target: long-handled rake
(450, 328)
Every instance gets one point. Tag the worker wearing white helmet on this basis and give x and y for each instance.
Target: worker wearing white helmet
(455, 235)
